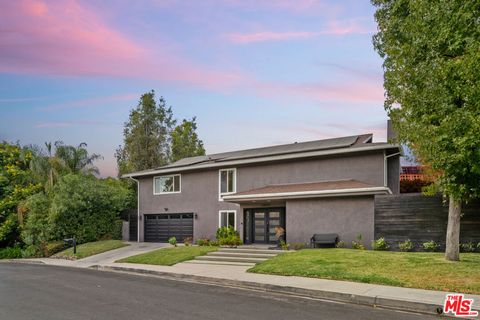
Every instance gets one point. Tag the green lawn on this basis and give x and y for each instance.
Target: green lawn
(90, 249)
(169, 256)
(403, 269)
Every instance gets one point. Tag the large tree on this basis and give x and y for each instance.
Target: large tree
(431, 52)
(146, 141)
(185, 141)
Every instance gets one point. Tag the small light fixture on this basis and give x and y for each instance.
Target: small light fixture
(195, 215)
(166, 209)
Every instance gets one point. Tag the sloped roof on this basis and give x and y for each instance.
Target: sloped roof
(292, 150)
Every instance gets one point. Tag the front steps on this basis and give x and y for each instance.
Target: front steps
(241, 256)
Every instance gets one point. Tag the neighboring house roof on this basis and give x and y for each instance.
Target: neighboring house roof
(308, 190)
(295, 150)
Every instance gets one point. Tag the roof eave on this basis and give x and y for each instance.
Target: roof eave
(309, 194)
(263, 159)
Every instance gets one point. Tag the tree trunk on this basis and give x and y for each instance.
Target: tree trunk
(453, 230)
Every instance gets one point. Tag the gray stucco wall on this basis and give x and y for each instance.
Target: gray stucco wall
(199, 190)
(393, 165)
(347, 217)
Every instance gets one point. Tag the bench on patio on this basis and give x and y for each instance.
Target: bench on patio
(323, 239)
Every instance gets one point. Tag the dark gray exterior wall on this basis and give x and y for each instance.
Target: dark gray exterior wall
(393, 175)
(348, 217)
(199, 190)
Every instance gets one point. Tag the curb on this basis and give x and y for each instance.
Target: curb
(22, 261)
(377, 301)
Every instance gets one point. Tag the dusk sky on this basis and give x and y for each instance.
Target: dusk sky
(253, 72)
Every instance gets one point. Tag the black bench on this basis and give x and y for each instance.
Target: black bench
(323, 239)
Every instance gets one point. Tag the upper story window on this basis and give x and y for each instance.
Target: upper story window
(167, 184)
(227, 181)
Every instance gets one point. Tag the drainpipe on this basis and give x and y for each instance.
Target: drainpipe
(138, 208)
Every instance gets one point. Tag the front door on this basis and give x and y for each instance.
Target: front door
(260, 224)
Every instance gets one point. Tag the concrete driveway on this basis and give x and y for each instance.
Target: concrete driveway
(105, 258)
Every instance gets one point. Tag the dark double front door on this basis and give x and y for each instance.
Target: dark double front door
(260, 224)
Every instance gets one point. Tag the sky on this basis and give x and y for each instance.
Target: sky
(253, 72)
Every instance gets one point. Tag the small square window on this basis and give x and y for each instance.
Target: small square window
(228, 218)
(167, 184)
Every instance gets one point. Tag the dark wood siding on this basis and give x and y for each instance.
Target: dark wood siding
(420, 219)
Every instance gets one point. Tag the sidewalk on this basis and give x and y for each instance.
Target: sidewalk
(416, 300)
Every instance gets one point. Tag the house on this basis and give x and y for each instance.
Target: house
(324, 186)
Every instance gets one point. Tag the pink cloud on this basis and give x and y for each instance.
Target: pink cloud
(67, 38)
(352, 92)
(334, 28)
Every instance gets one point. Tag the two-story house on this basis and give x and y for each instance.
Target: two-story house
(324, 186)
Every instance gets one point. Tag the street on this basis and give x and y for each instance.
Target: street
(47, 293)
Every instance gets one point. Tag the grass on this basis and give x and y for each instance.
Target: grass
(90, 249)
(403, 269)
(169, 256)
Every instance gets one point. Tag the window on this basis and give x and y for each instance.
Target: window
(166, 184)
(227, 181)
(227, 218)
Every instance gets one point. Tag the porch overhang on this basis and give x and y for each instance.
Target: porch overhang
(323, 189)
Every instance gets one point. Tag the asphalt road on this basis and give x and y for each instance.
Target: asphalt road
(49, 293)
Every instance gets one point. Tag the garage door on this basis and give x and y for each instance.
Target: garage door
(161, 227)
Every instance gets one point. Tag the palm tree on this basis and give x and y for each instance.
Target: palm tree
(77, 159)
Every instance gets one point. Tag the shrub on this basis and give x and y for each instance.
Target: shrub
(358, 244)
(173, 241)
(227, 236)
(467, 247)
(284, 245)
(380, 244)
(478, 246)
(187, 241)
(11, 253)
(341, 244)
(203, 242)
(214, 243)
(298, 245)
(54, 247)
(37, 230)
(430, 246)
(405, 246)
(87, 208)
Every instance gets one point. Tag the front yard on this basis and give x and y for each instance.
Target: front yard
(90, 249)
(403, 269)
(169, 256)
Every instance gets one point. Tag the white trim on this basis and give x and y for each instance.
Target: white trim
(169, 192)
(310, 194)
(227, 211)
(220, 194)
(260, 159)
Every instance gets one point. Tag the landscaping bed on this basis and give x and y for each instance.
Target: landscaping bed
(169, 256)
(90, 249)
(403, 269)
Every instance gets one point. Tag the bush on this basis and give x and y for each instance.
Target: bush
(187, 241)
(202, 242)
(214, 243)
(87, 208)
(227, 236)
(284, 245)
(173, 241)
(359, 243)
(430, 246)
(54, 247)
(11, 253)
(467, 247)
(380, 244)
(341, 244)
(478, 246)
(298, 245)
(405, 246)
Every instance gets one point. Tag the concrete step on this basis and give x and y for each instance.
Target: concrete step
(223, 263)
(230, 259)
(241, 254)
(253, 251)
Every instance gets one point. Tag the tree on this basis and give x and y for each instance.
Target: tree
(185, 141)
(15, 186)
(431, 53)
(77, 159)
(146, 141)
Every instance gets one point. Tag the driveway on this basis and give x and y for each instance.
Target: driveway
(37, 292)
(105, 258)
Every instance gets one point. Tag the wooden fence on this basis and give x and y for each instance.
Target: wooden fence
(420, 219)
